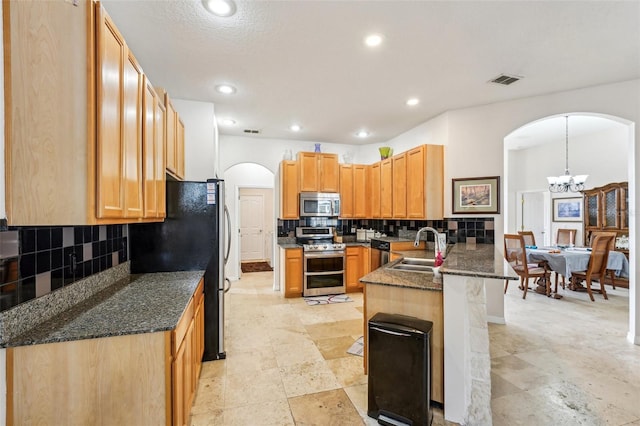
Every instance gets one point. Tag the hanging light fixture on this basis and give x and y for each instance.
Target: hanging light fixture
(566, 182)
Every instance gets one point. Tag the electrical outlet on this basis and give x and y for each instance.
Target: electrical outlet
(353, 229)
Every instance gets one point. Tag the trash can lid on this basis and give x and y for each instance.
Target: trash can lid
(389, 320)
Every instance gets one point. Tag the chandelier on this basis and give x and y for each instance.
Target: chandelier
(567, 182)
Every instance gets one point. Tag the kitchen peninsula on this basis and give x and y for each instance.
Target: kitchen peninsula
(455, 303)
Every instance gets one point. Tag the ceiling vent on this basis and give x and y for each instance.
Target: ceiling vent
(252, 131)
(505, 79)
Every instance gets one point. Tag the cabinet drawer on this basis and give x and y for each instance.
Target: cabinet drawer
(182, 327)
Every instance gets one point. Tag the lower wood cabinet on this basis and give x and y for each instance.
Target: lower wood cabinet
(291, 271)
(140, 379)
(357, 265)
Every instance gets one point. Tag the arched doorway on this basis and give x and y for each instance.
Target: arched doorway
(249, 179)
(599, 145)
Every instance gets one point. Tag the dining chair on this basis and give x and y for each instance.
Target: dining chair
(597, 268)
(564, 237)
(515, 253)
(610, 272)
(529, 238)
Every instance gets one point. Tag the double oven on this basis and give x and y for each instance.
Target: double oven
(324, 261)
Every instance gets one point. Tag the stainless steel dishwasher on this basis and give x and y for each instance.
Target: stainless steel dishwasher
(379, 253)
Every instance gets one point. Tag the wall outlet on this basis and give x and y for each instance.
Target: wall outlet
(353, 230)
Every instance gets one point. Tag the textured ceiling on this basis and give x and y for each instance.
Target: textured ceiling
(304, 61)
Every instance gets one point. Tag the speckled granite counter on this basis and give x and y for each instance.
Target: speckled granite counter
(138, 304)
(289, 245)
(478, 260)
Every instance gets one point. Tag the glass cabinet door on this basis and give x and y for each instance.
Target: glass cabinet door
(610, 213)
(624, 208)
(592, 217)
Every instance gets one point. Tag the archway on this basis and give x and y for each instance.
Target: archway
(599, 145)
(240, 177)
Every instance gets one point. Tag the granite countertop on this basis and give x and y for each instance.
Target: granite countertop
(144, 303)
(289, 245)
(474, 260)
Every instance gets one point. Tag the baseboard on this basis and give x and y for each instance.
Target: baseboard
(495, 320)
(633, 339)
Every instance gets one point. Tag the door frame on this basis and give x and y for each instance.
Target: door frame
(546, 204)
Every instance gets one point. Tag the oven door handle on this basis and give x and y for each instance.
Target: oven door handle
(326, 256)
(324, 273)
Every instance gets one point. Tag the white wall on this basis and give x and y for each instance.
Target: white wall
(245, 175)
(200, 138)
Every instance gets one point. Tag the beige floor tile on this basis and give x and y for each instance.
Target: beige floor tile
(300, 352)
(358, 396)
(324, 408)
(262, 414)
(207, 418)
(306, 378)
(334, 347)
(335, 329)
(251, 388)
(348, 370)
(252, 362)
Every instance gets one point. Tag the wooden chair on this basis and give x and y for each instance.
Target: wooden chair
(529, 238)
(516, 254)
(597, 269)
(565, 237)
(610, 272)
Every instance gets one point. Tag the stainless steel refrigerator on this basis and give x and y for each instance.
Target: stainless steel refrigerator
(192, 237)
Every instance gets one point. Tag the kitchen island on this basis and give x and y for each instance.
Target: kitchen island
(126, 355)
(455, 303)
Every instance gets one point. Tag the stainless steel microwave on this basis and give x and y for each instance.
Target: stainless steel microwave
(319, 204)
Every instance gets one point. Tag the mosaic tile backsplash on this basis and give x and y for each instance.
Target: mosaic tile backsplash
(457, 229)
(35, 261)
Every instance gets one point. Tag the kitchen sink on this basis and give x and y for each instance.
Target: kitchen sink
(415, 265)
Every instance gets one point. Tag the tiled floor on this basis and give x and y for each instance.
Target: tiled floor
(560, 362)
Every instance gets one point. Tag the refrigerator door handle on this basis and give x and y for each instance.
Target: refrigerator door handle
(228, 216)
(226, 290)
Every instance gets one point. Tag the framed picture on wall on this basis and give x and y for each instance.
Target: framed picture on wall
(476, 195)
(567, 209)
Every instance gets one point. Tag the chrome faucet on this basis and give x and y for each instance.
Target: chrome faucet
(439, 240)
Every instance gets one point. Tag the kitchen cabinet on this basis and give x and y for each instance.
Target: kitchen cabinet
(180, 148)
(386, 188)
(357, 265)
(174, 150)
(360, 192)
(425, 182)
(346, 191)
(289, 201)
(74, 145)
(146, 378)
(319, 172)
(374, 180)
(153, 154)
(399, 190)
(291, 269)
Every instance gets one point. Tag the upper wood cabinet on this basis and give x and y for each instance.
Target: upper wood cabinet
(174, 132)
(425, 182)
(386, 188)
(289, 204)
(153, 153)
(346, 191)
(374, 181)
(360, 191)
(180, 147)
(319, 172)
(399, 191)
(73, 134)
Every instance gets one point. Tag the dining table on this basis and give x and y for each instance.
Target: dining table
(565, 260)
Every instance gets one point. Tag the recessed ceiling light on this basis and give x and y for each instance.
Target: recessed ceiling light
(362, 134)
(373, 40)
(295, 128)
(413, 101)
(226, 89)
(223, 8)
(228, 122)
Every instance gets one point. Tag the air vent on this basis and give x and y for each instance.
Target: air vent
(252, 131)
(505, 79)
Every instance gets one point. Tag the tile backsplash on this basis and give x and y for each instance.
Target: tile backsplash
(35, 261)
(457, 229)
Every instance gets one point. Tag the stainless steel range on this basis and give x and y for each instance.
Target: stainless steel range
(324, 261)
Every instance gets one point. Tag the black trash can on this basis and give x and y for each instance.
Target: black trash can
(399, 390)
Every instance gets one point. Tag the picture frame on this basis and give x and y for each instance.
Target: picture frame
(568, 209)
(476, 195)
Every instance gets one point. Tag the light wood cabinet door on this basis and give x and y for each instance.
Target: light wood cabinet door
(179, 396)
(386, 188)
(171, 136)
(365, 262)
(375, 190)
(309, 171)
(360, 191)
(352, 272)
(346, 191)
(399, 191)
(293, 272)
(415, 182)
(149, 151)
(180, 162)
(133, 82)
(289, 203)
(329, 173)
(160, 163)
(111, 52)
(425, 182)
